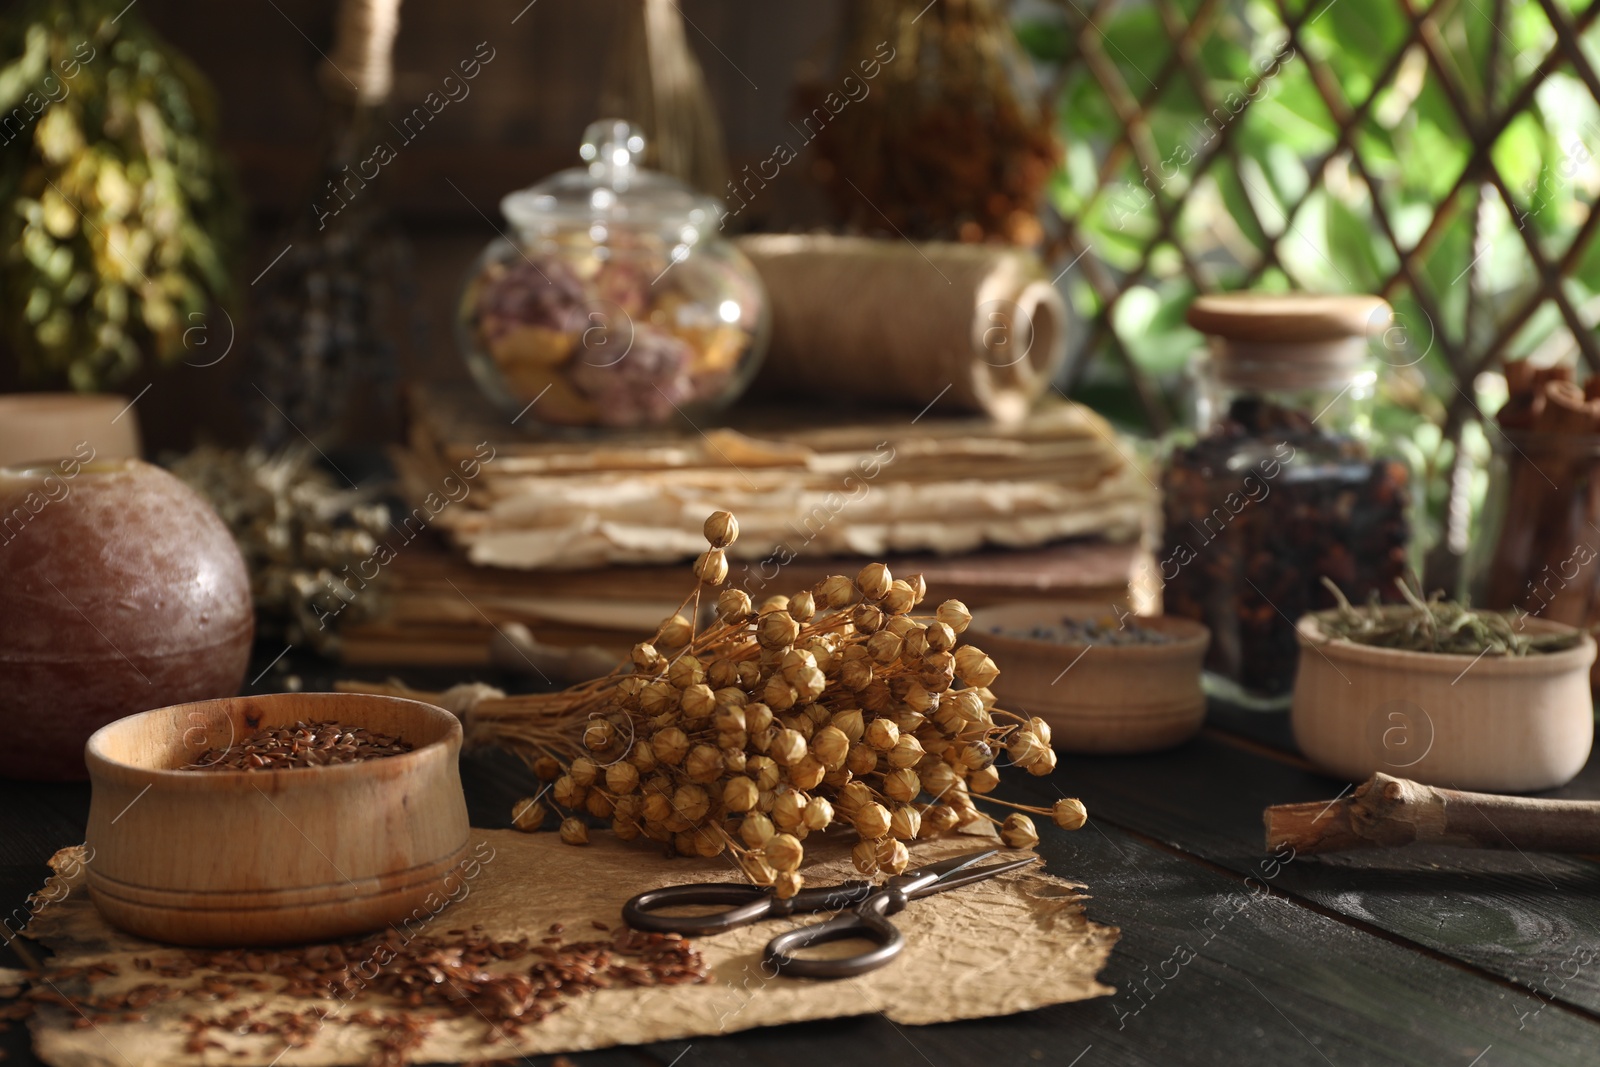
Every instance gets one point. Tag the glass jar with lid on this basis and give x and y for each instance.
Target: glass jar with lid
(614, 301)
(1279, 488)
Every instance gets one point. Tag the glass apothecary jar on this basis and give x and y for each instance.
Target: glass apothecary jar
(613, 302)
(1278, 486)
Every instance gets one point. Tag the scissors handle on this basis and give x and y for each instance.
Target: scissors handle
(867, 921)
(751, 904)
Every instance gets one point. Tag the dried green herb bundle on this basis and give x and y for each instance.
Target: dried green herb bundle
(1437, 625)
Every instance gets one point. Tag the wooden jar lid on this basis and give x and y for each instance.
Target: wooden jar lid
(1289, 317)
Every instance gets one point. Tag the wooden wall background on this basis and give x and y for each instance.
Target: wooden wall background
(523, 119)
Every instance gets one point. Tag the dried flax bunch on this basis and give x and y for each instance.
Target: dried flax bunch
(835, 705)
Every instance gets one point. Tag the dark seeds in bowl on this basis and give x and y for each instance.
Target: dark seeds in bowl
(1124, 631)
(305, 744)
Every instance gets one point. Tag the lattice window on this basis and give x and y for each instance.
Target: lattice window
(1442, 155)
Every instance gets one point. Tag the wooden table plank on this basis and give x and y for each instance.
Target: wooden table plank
(1530, 919)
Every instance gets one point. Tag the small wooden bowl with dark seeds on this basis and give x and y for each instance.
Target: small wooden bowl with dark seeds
(273, 819)
(1105, 682)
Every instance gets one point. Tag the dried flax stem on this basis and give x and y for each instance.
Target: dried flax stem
(1387, 812)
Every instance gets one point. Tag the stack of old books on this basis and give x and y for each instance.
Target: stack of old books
(585, 540)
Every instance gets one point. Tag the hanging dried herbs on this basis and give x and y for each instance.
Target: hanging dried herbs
(117, 214)
(947, 141)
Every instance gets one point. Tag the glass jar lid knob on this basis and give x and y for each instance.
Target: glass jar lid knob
(613, 149)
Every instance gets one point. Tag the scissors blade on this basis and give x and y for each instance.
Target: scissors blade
(965, 875)
(944, 868)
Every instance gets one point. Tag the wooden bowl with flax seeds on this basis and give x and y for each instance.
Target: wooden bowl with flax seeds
(274, 819)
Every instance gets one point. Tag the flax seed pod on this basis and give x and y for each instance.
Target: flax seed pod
(871, 820)
(756, 717)
(686, 671)
(882, 734)
(788, 748)
(784, 852)
(850, 723)
(756, 830)
(831, 747)
(954, 614)
(907, 752)
(674, 633)
(733, 606)
(691, 802)
(721, 529)
(574, 831)
(599, 735)
(940, 637)
(902, 785)
(671, 745)
(807, 772)
(802, 607)
(1018, 832)
(938, 779)
(1025, 749)
(874, 581)
(643, 756)
(788, 884)
(865, 857)
(567, 793)
(788, 809)
(712, 567)
(837, 591)
(625, 829)
(818, 814)
(657, 808)
(940, 818)
(698, 702)
(916, 644)
(884, 647)
(973, 667)
(1069, 813)
(764, 771)
(528, 815)
(757, 869)
(984, 780)
(547, 768)
(599, 805)
(853, 797)
(893, 856)
(740, 794)
(863, 760)
(703, 764)
(1045, 764)
(899, 599)
(646, 660)
(622, 778)
(779, 694)
(777, 630)
(583, 771)
(906, 823)
(1040, 729)
(867, 619)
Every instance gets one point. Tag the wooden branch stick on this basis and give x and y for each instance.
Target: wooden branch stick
(1385, 812)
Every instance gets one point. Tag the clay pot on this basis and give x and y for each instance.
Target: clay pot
(120, 590)
(1493, 724)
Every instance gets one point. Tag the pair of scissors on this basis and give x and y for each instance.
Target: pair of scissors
(864, 912)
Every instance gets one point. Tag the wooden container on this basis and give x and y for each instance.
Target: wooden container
(272, 857)
(1097, 698)
(1496, 724)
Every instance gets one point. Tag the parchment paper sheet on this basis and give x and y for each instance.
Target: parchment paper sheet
(1005, 945)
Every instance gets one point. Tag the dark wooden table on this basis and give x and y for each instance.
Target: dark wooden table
(1429, 956)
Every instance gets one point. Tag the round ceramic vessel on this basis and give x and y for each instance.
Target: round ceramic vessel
(272, 857)
(1097, 698)
(120, 590)
(1492, 724)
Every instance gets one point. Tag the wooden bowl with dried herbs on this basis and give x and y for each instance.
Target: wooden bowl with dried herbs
(1105, 683)
(275, 819)
(1439, 693)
